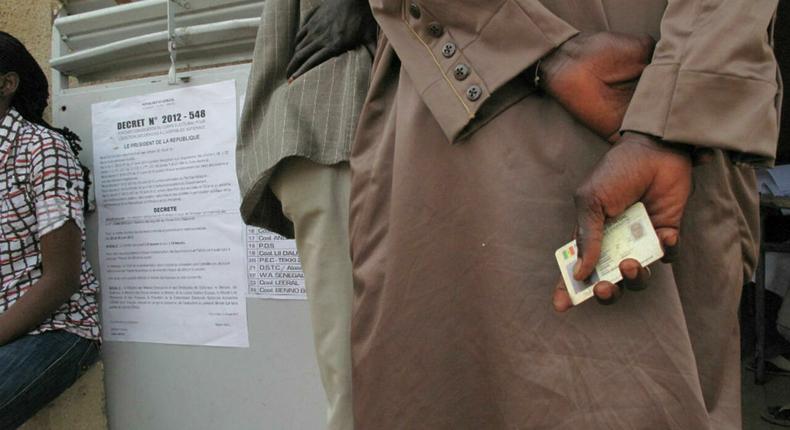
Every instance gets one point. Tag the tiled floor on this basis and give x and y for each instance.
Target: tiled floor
(756, 397)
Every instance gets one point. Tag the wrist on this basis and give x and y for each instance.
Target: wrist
(7, 332)
(534, 75)
(545, 69)
(696, 154)
(554, 61)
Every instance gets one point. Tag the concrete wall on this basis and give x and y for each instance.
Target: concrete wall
(30, 21)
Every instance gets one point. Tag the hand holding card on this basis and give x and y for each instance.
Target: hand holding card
(628, 236)
(639, 168)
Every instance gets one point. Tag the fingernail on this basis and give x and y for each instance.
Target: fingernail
(577, 268)
(631, 273)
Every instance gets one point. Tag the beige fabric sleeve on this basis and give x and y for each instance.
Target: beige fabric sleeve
(513, 39)
(713, 80)
(496, 40)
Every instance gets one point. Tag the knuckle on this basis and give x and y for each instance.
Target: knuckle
(580, 197)
(582, 194)
(585, 198)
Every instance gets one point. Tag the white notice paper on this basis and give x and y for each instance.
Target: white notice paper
(170, 236)
(273, 268)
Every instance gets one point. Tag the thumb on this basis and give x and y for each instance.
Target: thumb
(641, 47)
(634, 54)
(590, 219)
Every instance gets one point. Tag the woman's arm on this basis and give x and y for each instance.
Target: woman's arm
(61, 251)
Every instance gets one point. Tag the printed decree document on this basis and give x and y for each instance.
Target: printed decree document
(171, 241)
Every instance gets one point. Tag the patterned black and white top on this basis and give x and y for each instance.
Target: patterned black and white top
(42, 190)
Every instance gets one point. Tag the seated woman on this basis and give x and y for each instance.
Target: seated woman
(49, 327)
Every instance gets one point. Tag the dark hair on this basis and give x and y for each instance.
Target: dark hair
(30, 99)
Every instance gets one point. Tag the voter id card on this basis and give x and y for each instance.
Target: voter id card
(630, 235)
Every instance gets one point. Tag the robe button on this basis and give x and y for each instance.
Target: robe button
(448, 50)
(414, 11)
(461, 71)
(435, 29)
(474, 92)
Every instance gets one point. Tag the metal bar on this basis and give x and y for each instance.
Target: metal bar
(171, 42)
(111, 17)
(70, 62)
(95, 58)
(102, 26)
(60, 81)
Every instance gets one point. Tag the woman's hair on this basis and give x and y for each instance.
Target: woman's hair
(30, 98)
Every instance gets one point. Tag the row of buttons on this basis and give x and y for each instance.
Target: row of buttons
(461, 71)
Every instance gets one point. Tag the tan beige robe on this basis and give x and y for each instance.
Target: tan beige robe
(459, 204)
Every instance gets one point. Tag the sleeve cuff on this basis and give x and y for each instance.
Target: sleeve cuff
(731, 113)
(53, 213)
(515, 37)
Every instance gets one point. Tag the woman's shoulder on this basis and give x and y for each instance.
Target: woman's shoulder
(37, 133)
(36, 139)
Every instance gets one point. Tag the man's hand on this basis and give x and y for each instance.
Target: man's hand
(638, 168)
(332, 28)
(594, 76)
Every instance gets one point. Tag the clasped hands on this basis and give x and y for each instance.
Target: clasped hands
(593, 77)
(333, 27)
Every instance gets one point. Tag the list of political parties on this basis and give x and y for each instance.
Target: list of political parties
(274, 270)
